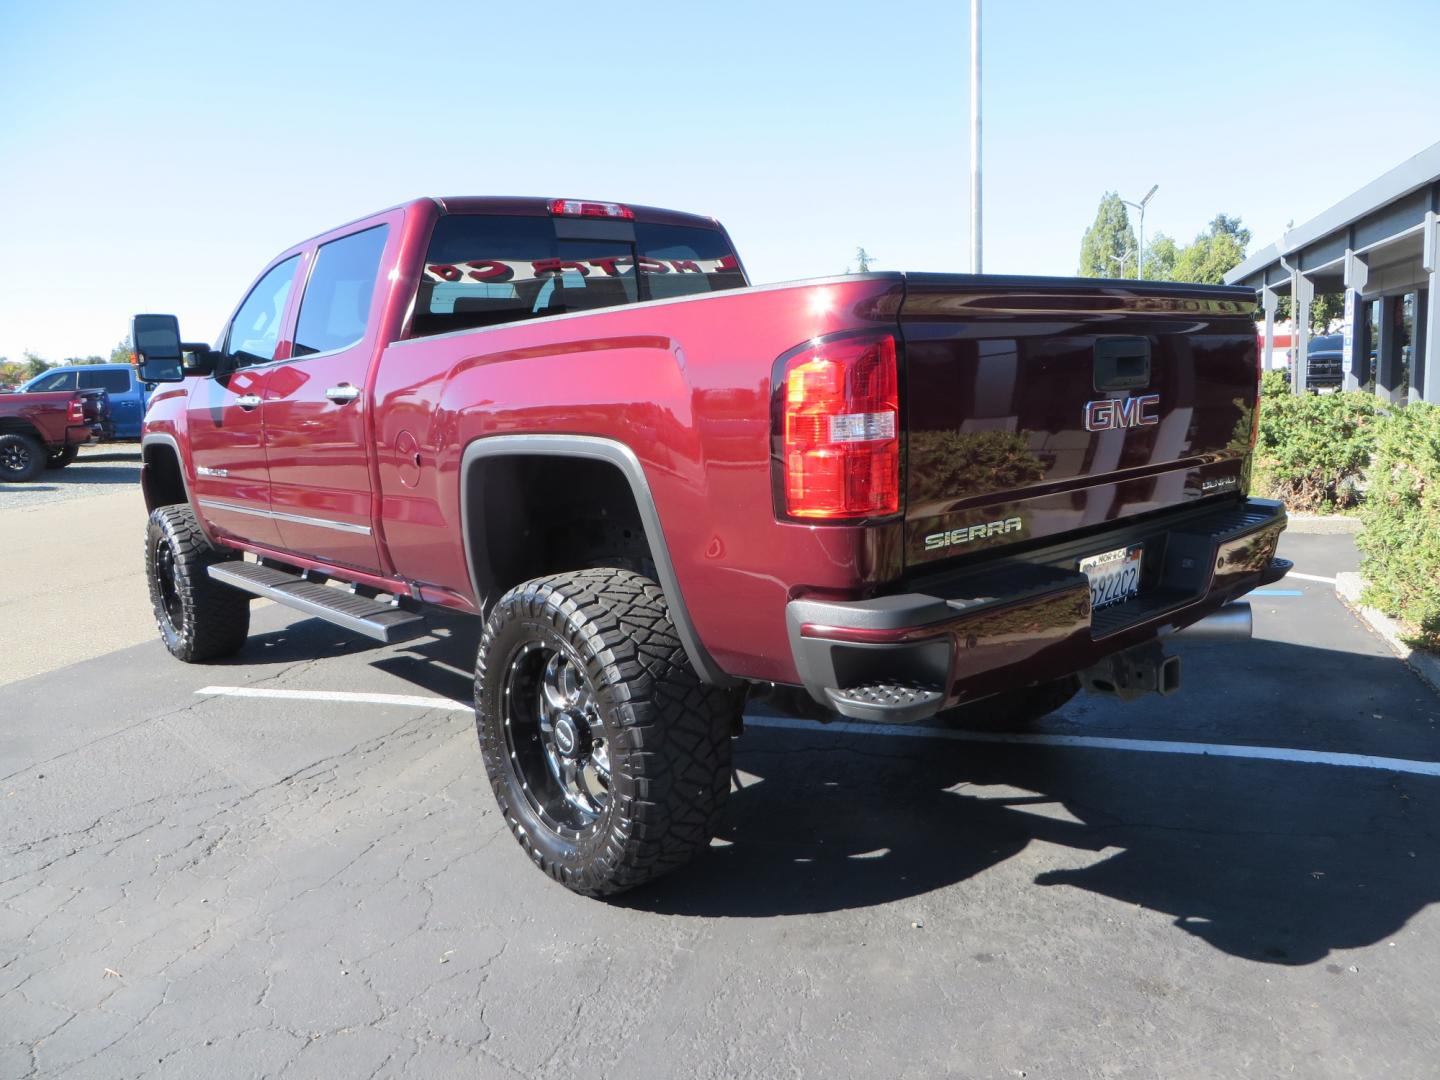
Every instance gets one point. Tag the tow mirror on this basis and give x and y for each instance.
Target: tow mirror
(157, 347)
(199, 359)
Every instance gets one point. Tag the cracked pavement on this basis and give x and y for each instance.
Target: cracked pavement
(200, 886)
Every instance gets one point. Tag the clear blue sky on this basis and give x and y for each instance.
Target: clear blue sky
(155, 155)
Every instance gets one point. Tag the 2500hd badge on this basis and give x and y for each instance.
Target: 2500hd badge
(936, 541)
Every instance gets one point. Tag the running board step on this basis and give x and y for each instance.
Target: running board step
(892, 703)
(358, 613)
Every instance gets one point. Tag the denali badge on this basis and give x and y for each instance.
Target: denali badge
(1110, 413)
(936, 541)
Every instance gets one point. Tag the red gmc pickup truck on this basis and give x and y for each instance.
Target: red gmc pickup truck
(46, 430)
(664, 491)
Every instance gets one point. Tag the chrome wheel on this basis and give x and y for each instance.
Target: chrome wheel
(557, 741)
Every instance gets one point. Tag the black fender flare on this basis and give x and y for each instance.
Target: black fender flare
(623, 458)
(161, 438)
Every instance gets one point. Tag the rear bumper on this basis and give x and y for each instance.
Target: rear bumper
(80, 434)
(986, 629)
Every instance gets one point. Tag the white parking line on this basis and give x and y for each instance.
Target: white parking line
(1097, 742)
(344, 696)
(1087, 742)
(1311, 577)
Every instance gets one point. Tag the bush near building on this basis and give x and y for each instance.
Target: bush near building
(1313, 449)
(1401, 537)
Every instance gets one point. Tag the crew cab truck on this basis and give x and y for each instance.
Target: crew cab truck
(125, 391)
(45, 430)
(883, 496)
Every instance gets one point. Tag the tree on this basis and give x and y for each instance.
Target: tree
(1221, 247)
(1230, 226)
(1109, 241)
(35, 364)
(1323, 308)
(123, 353)
(864, 258)
(1160, 256)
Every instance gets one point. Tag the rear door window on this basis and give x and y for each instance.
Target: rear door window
(113, 381)
(255, 331)
(486, 270)
(335, 309)
(56, 380)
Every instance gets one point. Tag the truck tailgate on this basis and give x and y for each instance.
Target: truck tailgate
(1036, 407)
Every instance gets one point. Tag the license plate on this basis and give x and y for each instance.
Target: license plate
(1114, 575)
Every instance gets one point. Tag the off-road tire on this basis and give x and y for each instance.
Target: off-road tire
(669, 734)
(58, 459)
(1012, 710)
(199, 619)
(22, 457)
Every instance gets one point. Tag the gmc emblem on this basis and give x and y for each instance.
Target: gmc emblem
(1110, 414)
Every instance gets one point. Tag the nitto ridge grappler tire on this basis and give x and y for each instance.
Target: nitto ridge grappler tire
(199, 618)
(609, 758)
(22, 457)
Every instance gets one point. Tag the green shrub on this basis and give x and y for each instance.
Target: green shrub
(1401, 538)
(1273, 384)
(1313, 448)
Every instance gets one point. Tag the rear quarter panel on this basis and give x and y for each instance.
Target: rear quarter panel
(686, 386)
(47, 413)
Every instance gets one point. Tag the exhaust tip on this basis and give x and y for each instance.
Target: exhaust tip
(1233, 622)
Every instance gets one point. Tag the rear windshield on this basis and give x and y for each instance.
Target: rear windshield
(484, 270)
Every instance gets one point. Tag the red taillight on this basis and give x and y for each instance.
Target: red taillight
(77, 411)
(582, 208)
(840, 422)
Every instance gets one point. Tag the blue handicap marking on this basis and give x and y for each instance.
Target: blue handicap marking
(1276, 592)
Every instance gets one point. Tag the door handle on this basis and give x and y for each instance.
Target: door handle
(343, 394)
(248, 401)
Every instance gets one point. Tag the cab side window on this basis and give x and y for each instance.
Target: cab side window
(335, 309)
(59, 380)
(255, 332)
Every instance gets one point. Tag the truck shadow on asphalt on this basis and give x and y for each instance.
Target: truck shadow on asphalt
(1276, 862)
(111, 467)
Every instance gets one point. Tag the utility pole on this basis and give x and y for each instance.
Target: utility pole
(975, 245)
(1140, 251)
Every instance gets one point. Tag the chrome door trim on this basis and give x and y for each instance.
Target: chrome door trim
(279, 515)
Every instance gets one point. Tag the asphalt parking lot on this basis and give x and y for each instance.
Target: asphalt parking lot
(291, 865)
(71, 589)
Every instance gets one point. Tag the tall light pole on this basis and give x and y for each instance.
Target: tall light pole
(1140, 252)
(975, 261)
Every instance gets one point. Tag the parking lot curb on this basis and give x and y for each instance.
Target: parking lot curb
(1349, 586)
(1323, 524)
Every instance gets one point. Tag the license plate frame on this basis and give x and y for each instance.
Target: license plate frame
(1114, 575)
